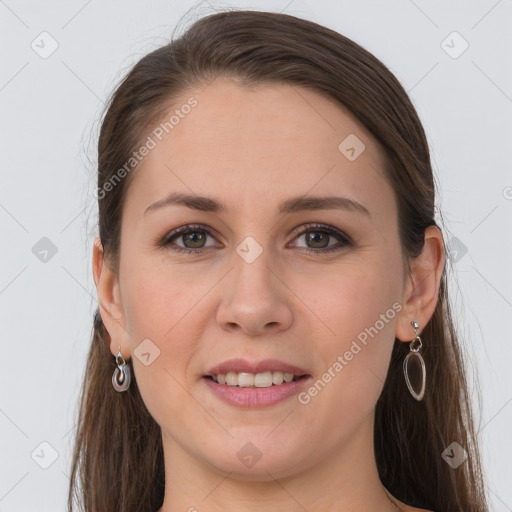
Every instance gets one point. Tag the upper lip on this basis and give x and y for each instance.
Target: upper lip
(242, 365)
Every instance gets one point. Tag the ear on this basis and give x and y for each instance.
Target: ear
(422, 286)
(109, 298)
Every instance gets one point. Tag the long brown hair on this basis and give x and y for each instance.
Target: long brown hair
(118, 463)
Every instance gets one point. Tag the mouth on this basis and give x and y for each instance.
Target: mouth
(264, 379)
(253, 384)
(249, 390)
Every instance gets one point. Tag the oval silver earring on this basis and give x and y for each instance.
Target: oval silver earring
(414, 367)
(121, 377)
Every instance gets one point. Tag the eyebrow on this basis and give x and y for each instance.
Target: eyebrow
(292, 205)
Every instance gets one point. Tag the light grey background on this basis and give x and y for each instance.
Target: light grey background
(50, 108)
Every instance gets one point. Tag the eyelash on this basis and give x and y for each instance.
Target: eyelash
(192, 228)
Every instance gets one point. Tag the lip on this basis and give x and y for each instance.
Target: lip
(256, 397)
(242, 365)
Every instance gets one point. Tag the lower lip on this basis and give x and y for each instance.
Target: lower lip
(256, 397)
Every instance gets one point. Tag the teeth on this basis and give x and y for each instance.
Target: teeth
(258, 380)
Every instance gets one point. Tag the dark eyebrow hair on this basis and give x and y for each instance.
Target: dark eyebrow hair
(294, 204)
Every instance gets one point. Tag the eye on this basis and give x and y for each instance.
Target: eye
(319, 237)
(193, 238)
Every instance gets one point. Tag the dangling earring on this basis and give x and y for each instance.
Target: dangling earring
(414, 367)
(121, 377)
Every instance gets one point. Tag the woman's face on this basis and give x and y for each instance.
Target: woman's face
(252, 279)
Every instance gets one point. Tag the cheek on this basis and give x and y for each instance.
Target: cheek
(159, 300)
(358, 317)
(163, 306)
(352, 297)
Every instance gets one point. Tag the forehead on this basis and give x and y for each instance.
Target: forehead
(260, 143)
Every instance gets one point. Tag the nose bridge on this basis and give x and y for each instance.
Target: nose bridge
(255, 299)
(253, 270)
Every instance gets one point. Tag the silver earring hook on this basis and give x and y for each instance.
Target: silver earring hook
(120, 361)
(121, 377)
(416, 344)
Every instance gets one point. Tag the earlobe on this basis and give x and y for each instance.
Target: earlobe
(422, 285)
(109, 299)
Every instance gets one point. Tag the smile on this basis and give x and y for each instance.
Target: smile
(253, 396)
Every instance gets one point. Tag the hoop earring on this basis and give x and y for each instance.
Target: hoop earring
(414, 367)
(121, 377)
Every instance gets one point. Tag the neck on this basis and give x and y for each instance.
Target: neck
(346, 479)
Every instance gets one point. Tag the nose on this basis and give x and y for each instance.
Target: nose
(255, 299)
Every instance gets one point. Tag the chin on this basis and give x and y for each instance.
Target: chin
(258, 460)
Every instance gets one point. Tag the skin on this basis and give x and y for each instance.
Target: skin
(252, 148)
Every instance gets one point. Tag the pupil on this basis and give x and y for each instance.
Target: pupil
(194, 237)
(316, 236)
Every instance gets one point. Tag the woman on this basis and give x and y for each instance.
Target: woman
(274, 331)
